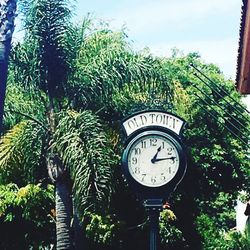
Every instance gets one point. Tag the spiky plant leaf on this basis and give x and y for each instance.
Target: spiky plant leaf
(20, 153)
(24, 65)
(85, 149)
(46, 24)
(109, 70)
(19, 103)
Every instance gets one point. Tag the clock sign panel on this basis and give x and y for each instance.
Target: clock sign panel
(153, 160)
(152, 118)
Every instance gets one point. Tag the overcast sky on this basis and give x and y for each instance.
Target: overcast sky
(210, 27)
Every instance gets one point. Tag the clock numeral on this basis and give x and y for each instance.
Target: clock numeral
(153, 179)
(169, 150)
(143, 144)
(137, 151)
(163, 177)
(143, 177)
(137, 170)
(134, 160)
(153, 142)
(172, 161)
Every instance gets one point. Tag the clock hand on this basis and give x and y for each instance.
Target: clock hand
(162, 159)
(155, 156)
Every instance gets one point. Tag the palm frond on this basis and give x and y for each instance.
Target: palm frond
(86, 151)
(19, 101)
(20, 153)
(46, 23)
(108, 69)
(24, 66)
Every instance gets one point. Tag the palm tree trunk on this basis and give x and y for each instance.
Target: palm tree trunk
(63, 202)
(79, 237)
(63, 218)
(7, 16)
(64, 208)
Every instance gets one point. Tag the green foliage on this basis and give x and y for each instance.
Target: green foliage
(26, 216)
(20, 151)
(214, 237)
(24, 66)
(46, 24)
(170, 235)
(218, 166)
(114, 78)
(21, 104)
(221, 209)
(107, 231)
(85, 149)
(216, 225)
(208, 230)
(212, 146)
(103, 230)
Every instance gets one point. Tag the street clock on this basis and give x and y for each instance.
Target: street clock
(154, 159)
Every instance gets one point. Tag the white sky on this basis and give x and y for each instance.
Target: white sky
(210, 27)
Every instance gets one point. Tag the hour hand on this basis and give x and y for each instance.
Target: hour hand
(153, 160)
(163, 159)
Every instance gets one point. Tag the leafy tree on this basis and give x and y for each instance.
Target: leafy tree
(30, 208)
(218, 239)
(217, 159)
(69, 144)
(114, 79)
(77, 140)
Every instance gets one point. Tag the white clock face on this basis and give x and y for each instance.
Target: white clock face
(153, 160)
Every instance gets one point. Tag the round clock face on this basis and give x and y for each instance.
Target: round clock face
(153, 160)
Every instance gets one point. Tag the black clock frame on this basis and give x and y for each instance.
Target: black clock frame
(163, 191)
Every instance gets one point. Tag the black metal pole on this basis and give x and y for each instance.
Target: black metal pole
(153, 207)
(154, 228)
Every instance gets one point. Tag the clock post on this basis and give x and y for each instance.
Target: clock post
(153, 208)
(153, 160)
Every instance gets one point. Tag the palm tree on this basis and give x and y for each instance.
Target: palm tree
(7, 16)
(71, 145)
(116, 79)
(108, 78)
(45, 23)
(79, 156)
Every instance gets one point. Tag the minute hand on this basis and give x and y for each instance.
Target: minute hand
(163, 159)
